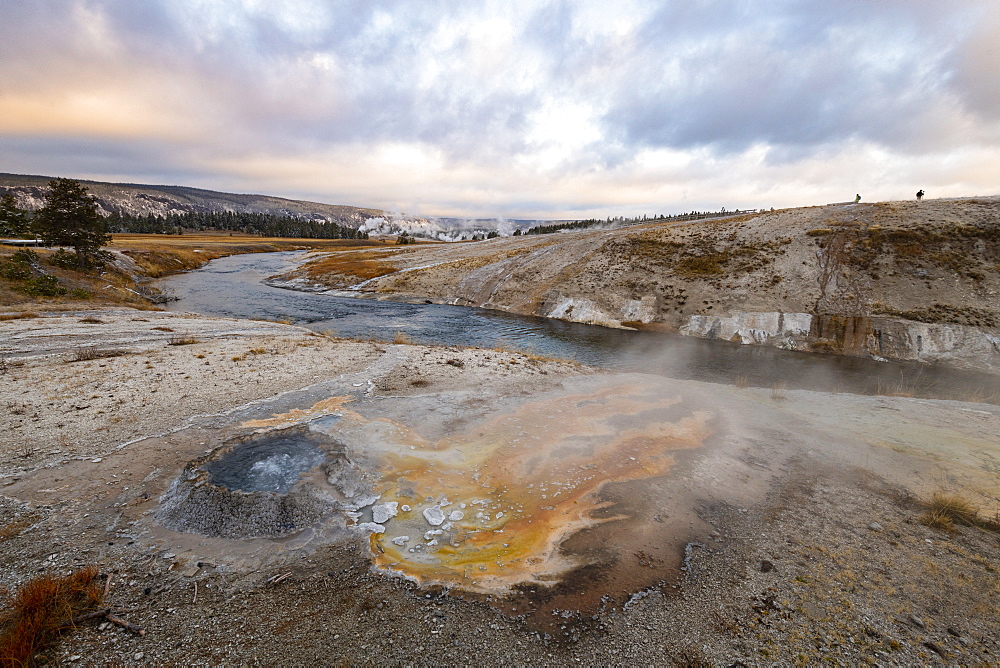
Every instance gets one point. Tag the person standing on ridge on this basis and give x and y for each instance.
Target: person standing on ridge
(920, 194)
(857, 198)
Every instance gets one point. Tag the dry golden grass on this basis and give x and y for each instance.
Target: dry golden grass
(18, 316)
(182, 340)
(359, 265)
(945, 510)
(13, 529)
(402, 338)
(34, 616)
(87, 354)
(778, 390)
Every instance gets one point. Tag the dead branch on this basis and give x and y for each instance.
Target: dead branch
(117, 621)
(278, 578)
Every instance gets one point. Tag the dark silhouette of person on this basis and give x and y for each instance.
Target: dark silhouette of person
(920, 195)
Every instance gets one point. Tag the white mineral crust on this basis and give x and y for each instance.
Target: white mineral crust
(434, 516)
(382, 512)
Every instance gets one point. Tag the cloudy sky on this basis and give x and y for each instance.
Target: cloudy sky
(510, 108)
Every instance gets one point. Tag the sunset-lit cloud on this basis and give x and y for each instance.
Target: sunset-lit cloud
(519, 109)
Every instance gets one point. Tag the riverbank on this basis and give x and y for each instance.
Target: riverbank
(797, 515)
(908, 281)
(132, 262)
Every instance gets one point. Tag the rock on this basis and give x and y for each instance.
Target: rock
(916, 621)
(371, 527)
(434, 516)
(875, 526)
(766, 566)
(456, 515)
(401, 540)
(931, 645)
(383, 512)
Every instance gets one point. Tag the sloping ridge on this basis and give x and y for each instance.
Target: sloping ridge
(142, 199)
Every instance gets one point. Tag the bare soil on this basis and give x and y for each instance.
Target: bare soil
(788, 532)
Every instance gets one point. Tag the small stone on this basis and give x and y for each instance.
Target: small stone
(766, 566)
(916, 621)
(456, 515)
(75, 657)
(875, 526)
(933, 646)
(401, 540)
(371, 527)
(434, 516)
(138, 656)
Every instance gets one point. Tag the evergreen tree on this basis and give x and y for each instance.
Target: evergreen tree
(13, 221)
(70, 218)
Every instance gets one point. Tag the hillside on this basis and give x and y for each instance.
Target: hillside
(140, 200)
(897, 280)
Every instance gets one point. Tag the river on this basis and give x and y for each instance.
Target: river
(233, 287)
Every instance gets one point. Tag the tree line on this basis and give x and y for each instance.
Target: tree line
(263, 224)
(70, 217)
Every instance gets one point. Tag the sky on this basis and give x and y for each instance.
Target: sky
(512, 108)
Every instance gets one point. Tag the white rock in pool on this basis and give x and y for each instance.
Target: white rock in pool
(371, 527)
(456, 515)
(434, 516)
(382, 512)
(400, 540)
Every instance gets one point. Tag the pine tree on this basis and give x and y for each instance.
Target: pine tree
(70, 218)
(13, 221)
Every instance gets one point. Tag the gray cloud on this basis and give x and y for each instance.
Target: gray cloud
(483, 86)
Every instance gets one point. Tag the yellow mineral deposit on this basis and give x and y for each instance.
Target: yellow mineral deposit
(493, 513)
(487, 509)
(331, 406)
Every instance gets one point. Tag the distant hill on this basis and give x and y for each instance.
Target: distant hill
(136, 199)
(140, 200)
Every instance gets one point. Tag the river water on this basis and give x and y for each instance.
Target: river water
(233, 287)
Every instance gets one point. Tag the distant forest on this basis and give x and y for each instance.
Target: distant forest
(263, 224)
(622, 222)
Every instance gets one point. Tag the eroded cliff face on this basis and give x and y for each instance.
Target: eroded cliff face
(959, 346)
(897, 280)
